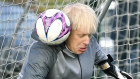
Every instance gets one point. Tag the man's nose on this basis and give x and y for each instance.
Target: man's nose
(87, 40)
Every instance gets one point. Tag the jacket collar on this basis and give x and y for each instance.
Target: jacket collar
(68, 52)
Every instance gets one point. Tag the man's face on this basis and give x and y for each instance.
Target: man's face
(78, 41)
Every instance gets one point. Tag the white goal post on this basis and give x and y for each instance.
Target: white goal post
(118, 32)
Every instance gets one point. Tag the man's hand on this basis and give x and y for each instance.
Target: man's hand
(113, 70)
(122, 74)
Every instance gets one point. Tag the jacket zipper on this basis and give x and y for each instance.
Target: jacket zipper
(80, 65)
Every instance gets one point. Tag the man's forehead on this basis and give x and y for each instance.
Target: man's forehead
(82, 31)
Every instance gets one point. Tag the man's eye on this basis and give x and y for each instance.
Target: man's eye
(90, 35)
(81, 36)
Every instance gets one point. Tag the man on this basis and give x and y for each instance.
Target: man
(73, 59)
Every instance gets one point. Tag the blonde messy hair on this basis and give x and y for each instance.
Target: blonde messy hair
(81, 16)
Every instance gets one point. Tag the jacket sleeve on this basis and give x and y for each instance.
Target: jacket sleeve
(37, 63)
(100, 55)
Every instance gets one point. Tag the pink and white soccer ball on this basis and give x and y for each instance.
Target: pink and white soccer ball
(53, 27)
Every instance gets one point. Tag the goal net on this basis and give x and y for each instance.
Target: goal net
(119, 35)
(118, 32)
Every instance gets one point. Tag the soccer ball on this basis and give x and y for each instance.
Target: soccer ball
(53, 27)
